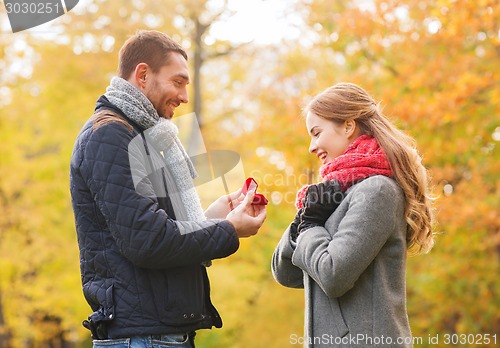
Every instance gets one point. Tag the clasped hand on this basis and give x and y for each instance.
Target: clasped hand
(319, 203)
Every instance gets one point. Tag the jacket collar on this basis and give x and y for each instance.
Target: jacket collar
(104, 104)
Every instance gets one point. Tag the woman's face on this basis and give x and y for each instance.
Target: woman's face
(328, 139)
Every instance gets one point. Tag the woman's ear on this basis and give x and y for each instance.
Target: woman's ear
(350, 128)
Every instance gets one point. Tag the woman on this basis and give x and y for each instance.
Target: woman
(348, 243)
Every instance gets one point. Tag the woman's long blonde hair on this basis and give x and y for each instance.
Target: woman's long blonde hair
(345, 101)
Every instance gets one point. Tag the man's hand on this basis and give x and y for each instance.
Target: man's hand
(320, 202)
(247, 218)
(224, 204)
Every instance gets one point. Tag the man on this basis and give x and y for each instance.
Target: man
(144, 240)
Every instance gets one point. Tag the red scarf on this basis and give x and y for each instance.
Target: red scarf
(362, 159)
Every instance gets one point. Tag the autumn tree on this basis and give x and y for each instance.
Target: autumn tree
(42, 109)
(433, 64)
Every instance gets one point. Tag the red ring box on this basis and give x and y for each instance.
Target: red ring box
(251, 184)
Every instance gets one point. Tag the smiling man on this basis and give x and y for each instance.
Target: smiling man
(144, 239)
(157, 67)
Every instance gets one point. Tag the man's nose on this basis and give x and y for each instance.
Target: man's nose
(183, 96)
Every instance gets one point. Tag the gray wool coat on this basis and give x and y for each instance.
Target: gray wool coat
(353, 270)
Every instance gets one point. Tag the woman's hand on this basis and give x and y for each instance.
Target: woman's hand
(320, 202)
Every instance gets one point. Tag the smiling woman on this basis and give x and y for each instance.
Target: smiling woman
(348, 243)
(330, 139)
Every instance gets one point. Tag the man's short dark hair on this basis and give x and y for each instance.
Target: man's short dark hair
(146, 46)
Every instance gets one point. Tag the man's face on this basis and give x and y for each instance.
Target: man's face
(167, 88)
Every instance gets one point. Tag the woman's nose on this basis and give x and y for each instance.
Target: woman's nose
(312, 146)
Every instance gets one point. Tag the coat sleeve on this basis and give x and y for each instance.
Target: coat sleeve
(283, 270)
(143, 232)
(336, 262)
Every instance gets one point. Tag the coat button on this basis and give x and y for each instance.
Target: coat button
(192, 315)
(185, 316)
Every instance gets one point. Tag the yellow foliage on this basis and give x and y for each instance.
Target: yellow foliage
(433, 64)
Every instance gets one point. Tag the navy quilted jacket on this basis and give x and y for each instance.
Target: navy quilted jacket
(140, 274)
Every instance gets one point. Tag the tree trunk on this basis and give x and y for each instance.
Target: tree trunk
(196, 143)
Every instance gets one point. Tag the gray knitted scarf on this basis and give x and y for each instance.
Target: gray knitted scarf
(163, 135)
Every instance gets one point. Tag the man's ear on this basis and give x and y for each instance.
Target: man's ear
(350, 128)
(140, 75)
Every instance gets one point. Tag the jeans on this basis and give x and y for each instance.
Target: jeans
(163, 341)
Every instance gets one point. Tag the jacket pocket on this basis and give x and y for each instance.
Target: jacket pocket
(186, 294)
(340, 328)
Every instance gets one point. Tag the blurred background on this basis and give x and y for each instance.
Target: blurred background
(433, 64)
